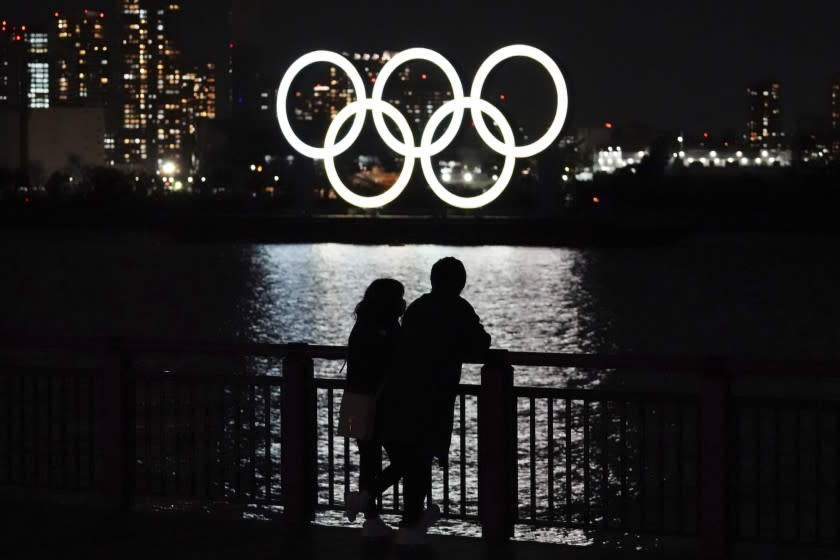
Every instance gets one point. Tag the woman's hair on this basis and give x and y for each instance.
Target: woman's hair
(383, 301)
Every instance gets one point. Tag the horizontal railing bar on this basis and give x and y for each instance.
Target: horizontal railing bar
(11, 341)
(734, 367)
(322, 352)
(206, 347)
(469, 389)
(197, 377)
(46, 371)
(785, 401)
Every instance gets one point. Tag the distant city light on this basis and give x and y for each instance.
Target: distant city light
(680, 139)
(468, 177)
(168, 168)
(608, 125)
(596, 199)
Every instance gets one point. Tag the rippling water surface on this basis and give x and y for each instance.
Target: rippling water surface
(748, 295)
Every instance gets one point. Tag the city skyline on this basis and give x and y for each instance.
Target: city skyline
(678, 68)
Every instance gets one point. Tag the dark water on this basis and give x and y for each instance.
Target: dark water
(745, 295)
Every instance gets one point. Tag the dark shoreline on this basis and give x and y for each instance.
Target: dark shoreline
(363, 230)
(268, 227)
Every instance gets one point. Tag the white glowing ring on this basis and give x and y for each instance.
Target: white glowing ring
(428, 148)
(283, 93)
(478, 106)
(554, 130)
(457, 93)
(331, 149)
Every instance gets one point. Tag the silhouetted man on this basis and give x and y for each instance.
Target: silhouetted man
(440, 330)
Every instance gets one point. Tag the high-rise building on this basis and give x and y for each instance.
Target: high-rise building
(198, 93)
(37, 69)
(80, 60)
(133, 149)
(835, 116)
(764, 124)
(169, 116)
(12, 65)
(154, 125)
(198, 105)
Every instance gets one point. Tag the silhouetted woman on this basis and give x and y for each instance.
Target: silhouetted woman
(370, 358)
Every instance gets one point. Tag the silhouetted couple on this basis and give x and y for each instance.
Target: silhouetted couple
(414, 370)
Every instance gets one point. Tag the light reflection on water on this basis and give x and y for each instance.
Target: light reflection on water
(768, 296)
(529, 299)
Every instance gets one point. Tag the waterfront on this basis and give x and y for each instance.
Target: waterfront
(745, 295)
(750, 296)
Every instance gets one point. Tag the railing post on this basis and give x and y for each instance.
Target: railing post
(497, 500)
(714, 454)
(118, 427)
(298, 446)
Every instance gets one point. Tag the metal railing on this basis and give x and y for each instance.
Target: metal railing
(705, 461)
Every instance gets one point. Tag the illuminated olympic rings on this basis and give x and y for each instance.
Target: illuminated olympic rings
(428, 147)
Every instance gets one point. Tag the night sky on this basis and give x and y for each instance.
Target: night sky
(663, 63)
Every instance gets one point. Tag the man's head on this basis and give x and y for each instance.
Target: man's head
(448, 276)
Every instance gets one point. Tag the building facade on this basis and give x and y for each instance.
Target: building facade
(133, 142)
(157, 124)
(764, 121)
(80, 60)
(170, 120)
(61, 136)
(37, 85)
(835, 116)
(12, 65)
